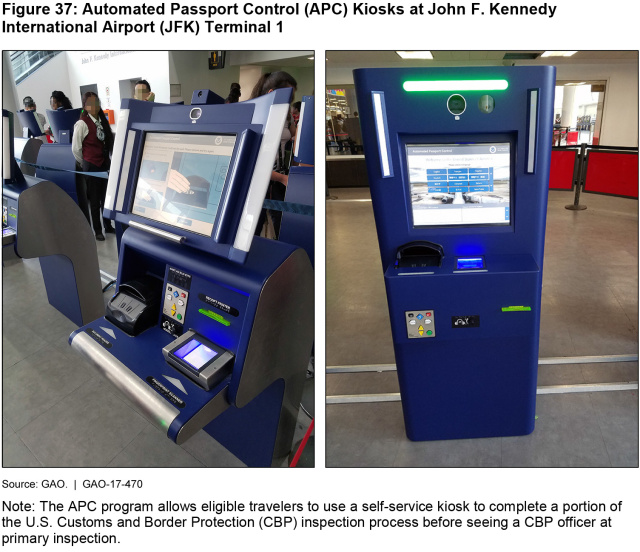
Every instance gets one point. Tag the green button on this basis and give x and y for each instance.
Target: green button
(429, 332)
(179, 317)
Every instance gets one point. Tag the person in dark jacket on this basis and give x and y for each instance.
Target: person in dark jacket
(92, 144)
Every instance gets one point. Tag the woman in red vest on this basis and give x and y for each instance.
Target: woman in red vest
(91, 145)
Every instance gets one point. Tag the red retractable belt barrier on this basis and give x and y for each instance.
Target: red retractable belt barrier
(303, 444)
(562, 169)
(612, 173)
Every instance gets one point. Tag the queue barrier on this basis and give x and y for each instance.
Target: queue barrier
(608, 170)
(612, 172)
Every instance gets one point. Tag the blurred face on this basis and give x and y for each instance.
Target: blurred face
(54, 103)
(92, 106)
(141, 92)
(295, 114)
(31, 107)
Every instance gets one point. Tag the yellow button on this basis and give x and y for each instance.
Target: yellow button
(421, 331)
(173, 312)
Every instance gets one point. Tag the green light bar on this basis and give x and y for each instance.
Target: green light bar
(214, 316)
(454, 85)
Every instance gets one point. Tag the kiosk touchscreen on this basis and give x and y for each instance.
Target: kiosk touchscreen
(458, 164)
(209, 328)
(181, 179)
(459, 184)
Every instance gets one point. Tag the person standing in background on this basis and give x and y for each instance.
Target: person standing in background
(142, 91)
(59, 101)
(280, 175)
(234, 93)
(30, 105)
(91, 146)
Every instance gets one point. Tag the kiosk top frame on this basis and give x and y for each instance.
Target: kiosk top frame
(257, 126)
(455, 105)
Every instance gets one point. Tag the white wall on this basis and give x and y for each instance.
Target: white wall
(249, 76)
(68, 71)
(10, 100)
(193, 73)
(107, 68)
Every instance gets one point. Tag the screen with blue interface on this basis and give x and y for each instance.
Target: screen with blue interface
(459, 184)
(181, 179)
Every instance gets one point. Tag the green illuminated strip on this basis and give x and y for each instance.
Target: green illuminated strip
(515, 309)
(215, 316)
(454, 85)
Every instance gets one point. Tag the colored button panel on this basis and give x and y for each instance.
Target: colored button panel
(175, 303)
(420, 324)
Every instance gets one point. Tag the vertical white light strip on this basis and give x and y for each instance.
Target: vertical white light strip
(381, 132)
(116, 158)
(261, 176)
(124, 173)
(533, 127)
(300, 123)
(6, 149)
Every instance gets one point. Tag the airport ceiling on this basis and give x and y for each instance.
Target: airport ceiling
(275, 57)
(389, 58)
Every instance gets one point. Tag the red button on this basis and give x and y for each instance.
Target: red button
(428, 314)
(183, 295)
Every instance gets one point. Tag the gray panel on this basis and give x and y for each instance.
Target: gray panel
(281, 341)
(51, 223)
(26, 149)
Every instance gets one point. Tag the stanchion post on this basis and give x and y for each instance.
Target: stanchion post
(582, 160)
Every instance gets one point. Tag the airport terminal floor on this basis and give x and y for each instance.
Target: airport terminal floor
(589, 309)
(44, 381)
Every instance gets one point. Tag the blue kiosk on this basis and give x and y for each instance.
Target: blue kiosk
(209, 327)
(458, 163)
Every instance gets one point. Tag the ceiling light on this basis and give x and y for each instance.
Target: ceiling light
(559, 53)
(416, 54)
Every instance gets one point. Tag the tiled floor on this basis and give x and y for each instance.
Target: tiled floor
(590, 307)
(58, 412)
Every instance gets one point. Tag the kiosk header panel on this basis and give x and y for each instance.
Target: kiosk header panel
(196, 175)
(448, 149)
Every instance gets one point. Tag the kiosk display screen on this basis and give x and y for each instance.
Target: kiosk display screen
(181, 179)
(460, 184)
